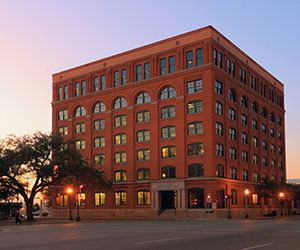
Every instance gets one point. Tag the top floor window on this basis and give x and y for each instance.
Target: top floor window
(124, 76)
(171, 64)
(231, 67)
(242, 75)
(120, 102)
(96, 83)
(116, 78)
(60, 93)
(194, 86)
(199, 57)
(147, 71)
(77, 89)
(66, 92)
(138, 72)
(103, 82)
(83, 87)
(215, 57)
(189, 59)
(162, 66)
(167, 92)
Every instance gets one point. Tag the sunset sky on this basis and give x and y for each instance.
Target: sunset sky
(39, 38)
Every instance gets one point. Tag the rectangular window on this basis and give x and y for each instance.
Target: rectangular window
(168, 112)
(143, 116)
(143, 135)
(143, 198)
(77, 89)
(168, 132)
(124, 76)
(99, 142)
(199, 57)
(138, 72)
(162, 66)
(120, 157)
(80, 144)
(220, 60)
(83, 87)
(60, 93)
(79, 128)
(120, 198)
(147, 71)
(215, 57)
(96, 84)
(66, 92)
(189, 59)
(194, 86)
(143, 155)
(63, 115)
(99, 124)
(120, 121)
(116, 78)
(99, 199)
(195, 128)
(63, 131)
(103, 82)
(171, 64)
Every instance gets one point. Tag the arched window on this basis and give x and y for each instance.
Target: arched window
(195, 170)
(167, 92)
(168, 172)
(143, 97)
(254, 107)
(220, 171)
(232, 95)
(120, 102)
(143, 174)
(264, 112)
(80, 111)
(99, 107)
(120, 175)
(196, 198)
(244, 101)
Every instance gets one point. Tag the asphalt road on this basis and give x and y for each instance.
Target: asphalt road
(186, 234)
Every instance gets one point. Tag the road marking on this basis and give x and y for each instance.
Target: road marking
(258, 246)
(156, 241)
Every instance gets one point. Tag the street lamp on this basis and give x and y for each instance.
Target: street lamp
(227, 198)
(281, 196)
(246, 192)
(69, 192)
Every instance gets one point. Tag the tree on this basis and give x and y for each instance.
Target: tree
(27, 158)
(34, 158)
(267, 190)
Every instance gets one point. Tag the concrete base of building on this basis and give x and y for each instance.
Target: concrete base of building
(166, 214)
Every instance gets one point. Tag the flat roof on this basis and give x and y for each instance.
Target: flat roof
(207, 32)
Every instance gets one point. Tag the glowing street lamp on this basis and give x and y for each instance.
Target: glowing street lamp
(246, 192)
(69, 192)
(281, 197)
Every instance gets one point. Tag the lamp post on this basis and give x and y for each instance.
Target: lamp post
(281, 196)
(227, 197)
(246, 192)
(78, 200)
(69, 192)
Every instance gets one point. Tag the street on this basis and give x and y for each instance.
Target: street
(184, 234)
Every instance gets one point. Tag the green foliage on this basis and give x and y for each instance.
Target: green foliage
(34, 157)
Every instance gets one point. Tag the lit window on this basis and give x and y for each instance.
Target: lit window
(168, 172)
(168, 152)
(120, 198)
(195, 107)
(99, 199)
(143, 198)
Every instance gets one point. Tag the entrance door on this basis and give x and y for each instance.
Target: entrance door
(167, 199)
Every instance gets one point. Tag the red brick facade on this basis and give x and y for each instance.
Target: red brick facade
(213, 63)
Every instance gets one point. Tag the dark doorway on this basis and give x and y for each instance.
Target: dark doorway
(167, 200)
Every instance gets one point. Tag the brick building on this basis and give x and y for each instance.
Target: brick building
(188, 122)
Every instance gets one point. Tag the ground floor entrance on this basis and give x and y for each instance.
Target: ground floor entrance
(167, 199)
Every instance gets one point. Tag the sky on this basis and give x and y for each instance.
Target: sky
(39, 38)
